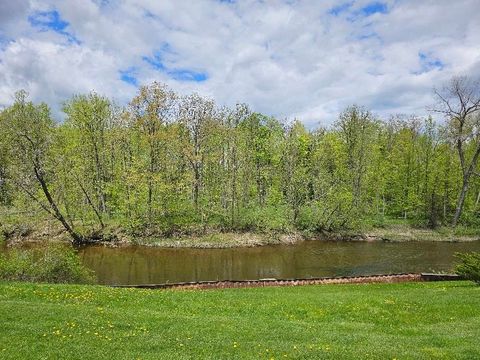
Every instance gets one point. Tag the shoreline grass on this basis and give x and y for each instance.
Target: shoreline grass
(379, 321)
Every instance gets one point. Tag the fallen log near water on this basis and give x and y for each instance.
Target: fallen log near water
(223, 284)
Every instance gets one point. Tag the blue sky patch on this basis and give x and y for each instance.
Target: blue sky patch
(175, 73)
(374, 8)
(187, 75)
(48, 20)
(4, 42)
(51, 21)
(128, 76)
(155, 61)
(428, 63)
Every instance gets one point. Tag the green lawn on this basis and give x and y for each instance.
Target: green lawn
(384, 321)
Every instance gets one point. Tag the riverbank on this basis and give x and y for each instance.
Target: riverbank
(394, 233)
(117, 237)
(381, 321)
(23, 229)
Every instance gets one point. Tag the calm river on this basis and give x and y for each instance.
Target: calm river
(147, 265)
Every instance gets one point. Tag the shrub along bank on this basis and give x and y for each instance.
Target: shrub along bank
(53, 263)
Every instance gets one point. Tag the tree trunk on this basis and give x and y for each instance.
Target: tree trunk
(466, 180)
(196, 186)
(460, 202)
(477, 201)
(90, 202)
(77, 239)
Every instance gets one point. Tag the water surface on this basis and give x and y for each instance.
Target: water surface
(148, 265)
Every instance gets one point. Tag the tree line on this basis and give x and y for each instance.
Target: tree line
(169, 164)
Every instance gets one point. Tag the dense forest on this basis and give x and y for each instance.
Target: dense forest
(169, 164)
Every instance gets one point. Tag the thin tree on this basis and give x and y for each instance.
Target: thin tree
(152, 109)
(29, 130)
(196, 114)
(459, 101)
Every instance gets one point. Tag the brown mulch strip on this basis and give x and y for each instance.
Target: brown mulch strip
(300, 282)
(391, 278)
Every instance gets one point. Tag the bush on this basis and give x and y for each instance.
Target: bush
(321, 216)
(469, 267)
(265, 219)
(52, 264)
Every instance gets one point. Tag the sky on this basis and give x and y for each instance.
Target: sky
(291, 59)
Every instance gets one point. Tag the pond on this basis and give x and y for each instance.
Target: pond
(149, 265)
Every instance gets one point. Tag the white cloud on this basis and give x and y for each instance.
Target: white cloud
(285, 58)
(53, 72)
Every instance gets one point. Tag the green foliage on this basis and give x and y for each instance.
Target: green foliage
(265, 219)
(469, 266)
(473, 231)
(170, 164)
(52, 263)
(325, 217)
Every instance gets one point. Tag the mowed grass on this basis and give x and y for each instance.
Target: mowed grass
(382, 321)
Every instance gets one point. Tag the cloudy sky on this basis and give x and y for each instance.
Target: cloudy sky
(303, 59)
